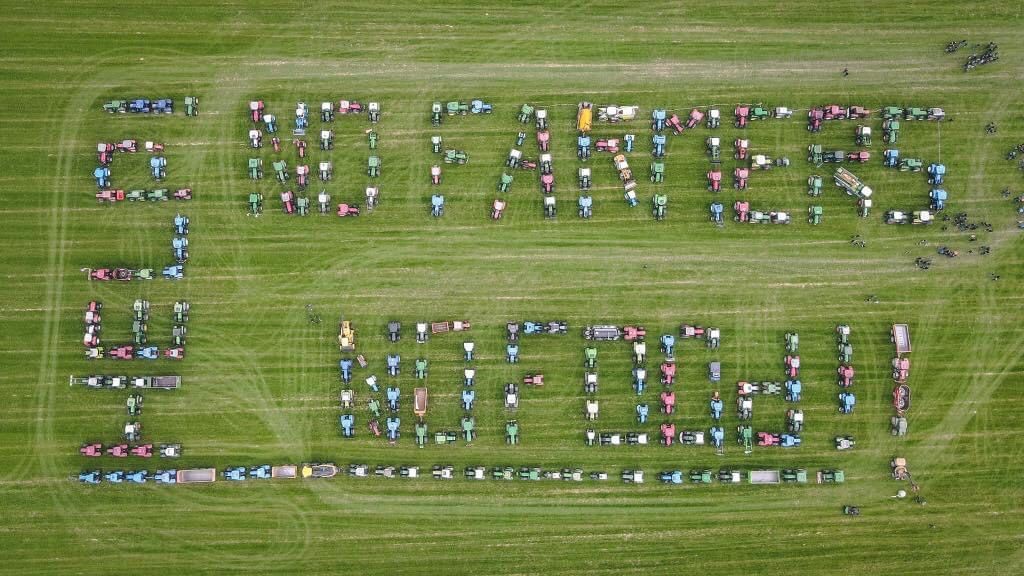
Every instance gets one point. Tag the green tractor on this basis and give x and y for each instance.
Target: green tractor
(831, 477)
(814, 214)
(891, 112)
(255, 168)
(745, 436)
(505, 183)
(525, 113)
(281, 171)
(448, 437)
(589, 357)
(700, 476)
(191, 106)
(814, 154)
(845, 352)
(302, 205)
(255, 203)
(435, 113)
(814, 185)
(915, 114)
(891, 131)
(373, 405)
(795, 475)
(660, 206)
(118, 106)
(657, 172)
(512, 432)
(468, 428)
(506, 473)
(421, 434)
(760, 113)
(134, 404)
(455, 157)
(371, 137)
(373, 166)
(911, 165)
(457, 108)
(792, 342)
(529, 473)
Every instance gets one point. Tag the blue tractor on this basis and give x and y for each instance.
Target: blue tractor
(583, 147)
(261, 472)
(671, 477)
(181, 224)
(115, 477)
(163, 106)
(717, 434)
(846, 402)
(716, 213)
(789, 441)
(393, 398)
(716, 407)
(148, 353)
(179, 245)
(512, 353)
(639, 380)
(137, 476)
(393, 423)
(891, 158)
(235, 473)
(89, 477)
(394, 364)
(271, 123)
(628, 140)
(658, 142)
(468, 397)
(793, 390)
(658, 119)
(174, 272)
(139, 106)
(158, 167)
(938, 199)
(668, 344)
(437, 205)
(641, 413)
(345, 366)
(102, 175)
(480, 107)
(166, 477)
(348, 423)
(936, 174)
(585, 206)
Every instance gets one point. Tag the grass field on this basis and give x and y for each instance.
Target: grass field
(261, 382)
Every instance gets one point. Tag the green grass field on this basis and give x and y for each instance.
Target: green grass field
(261, 382)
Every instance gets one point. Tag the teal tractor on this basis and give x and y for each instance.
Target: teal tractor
(745, 437)
(421, 368)
(512, 432)
(814, 154)
(657, 172)
(468, 428)
(421, 434)
(191, 106)
(373, 166)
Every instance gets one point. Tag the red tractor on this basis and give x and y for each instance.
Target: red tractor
(845, 376)
(632, 333)
(742, 146)
(668, 373)
(835, 112)
(900, 369)
(739, 178)
(858, 112)
(742, 210)
(542, 140)
(105, 153)
(742, 116)
(814, 118)
(715, 179)
(861, 156)
(675, 124)
(695, 118)
(143, 451)
(497, 209)
(668, 402)
(668, 433)
(126, 352)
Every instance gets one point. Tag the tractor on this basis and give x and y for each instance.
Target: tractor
(675, 124)
(281, 171)
(583, 147)
(845, 376)
(760, 113)
(393, 397)
(745, 437)
(891, 158)
(456, 108)
(892, 112)
(714, 177)
(794, 388)
(714, 118)
(814, 185)
(716, 405)
(658, 145)
(435, 175)
(525, 113)
(792, 342)
(911, 165)
(742, 148)
(373, 166)
(814, 214)
(668, 433)
(549, 201)
(511, 396)
(639, 380)
(158, 167)
(421, 368)
(435, 114)
(716, 209)
(891, 131)
(936, 174)
(795, 421)
(835, 112)
(590, 357)
(270, 123)
(102, 176)
(863, 136)
(814, 119)
(512, 432)
(660, 206)
(844, 442)
(740, 177)
(455, 157)
(541, 117)
(323, 201)
(742, 114)
(668, 402)
(815, 154)
(846, 402)
(393, 423)
(742, 211)
(671, 477)
(116, 106)
(668, 373)
(480, 107)
(658, 119)
(714, 147)
(794, 475)
(938, 199)
(543, 140)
